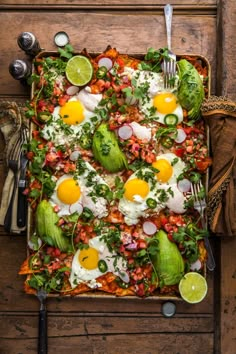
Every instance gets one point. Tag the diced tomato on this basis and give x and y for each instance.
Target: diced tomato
(57, 252)
(142, 244)
(63, 99)
(170, 237)
(30, 155)
(203, 164)
(179, 152)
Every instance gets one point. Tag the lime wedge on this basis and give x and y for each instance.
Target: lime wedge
(79, 70)
(193, 287)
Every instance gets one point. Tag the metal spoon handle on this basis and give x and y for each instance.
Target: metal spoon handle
(168, 11)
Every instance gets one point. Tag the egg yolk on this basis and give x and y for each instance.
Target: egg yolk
(165, 170)
(88, 258)
(72, 113)
(68, 191)
(165, 103)
(134, 187)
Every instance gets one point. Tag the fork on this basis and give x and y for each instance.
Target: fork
(199, 204)
(13, 165)
(169, 63)
(22, 200)
(42, 329)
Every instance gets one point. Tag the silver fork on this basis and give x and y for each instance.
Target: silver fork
(22, 200)
(199, 203)
(169, 63)
(13, 164)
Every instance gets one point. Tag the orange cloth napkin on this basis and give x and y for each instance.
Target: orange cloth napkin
(220, 115)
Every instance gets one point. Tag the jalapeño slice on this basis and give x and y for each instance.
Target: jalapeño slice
(171, 119)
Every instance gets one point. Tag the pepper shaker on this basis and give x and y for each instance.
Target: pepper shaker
(20, 70)
(29, 43)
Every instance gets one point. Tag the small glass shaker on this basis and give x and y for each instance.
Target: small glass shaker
(29, 43)
(168, 309)
(20, 70)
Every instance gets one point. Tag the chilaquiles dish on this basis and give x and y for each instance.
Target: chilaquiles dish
(112, 157)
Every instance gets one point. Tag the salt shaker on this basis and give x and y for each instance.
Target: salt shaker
(29, 43)
(168, 309)
(20, 70)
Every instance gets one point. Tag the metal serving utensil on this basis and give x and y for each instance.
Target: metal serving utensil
(169, 64)
(42, 329)
(13, 165)
(200, 204)
(22, 200)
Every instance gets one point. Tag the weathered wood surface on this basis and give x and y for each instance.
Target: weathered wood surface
(127, 32)
(110, 3)
(84, 325)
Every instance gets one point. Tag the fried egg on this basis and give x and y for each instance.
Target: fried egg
(161, 105)
(86, 263)
(133, 204)
(159, 188)
(72, 194)
(169, 168)
(69, 120)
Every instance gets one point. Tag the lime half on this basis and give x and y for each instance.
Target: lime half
(79, 70)
(193, 287)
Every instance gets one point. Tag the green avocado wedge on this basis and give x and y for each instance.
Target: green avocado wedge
(107, 151)
(167, 262)
(190, 90)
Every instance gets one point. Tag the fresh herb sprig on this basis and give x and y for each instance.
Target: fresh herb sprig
(153, 58)
(188, 236)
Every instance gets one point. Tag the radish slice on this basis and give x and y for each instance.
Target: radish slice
(125, 132)
(76, 207)
(196, 265)
(72, 90)
(124, 276)
(32, 245)
(131, 246)
(181, 136)
(149, 228)
(107, 62)
(74, 155)
(184, 185)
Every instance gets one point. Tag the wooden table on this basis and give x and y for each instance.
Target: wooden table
(115, 326)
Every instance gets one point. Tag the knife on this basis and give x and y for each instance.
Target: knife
(22, 200)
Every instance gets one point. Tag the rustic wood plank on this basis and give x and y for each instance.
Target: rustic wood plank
(111, 3)
(119, 344)
(128, 33)
(226, 52)
(81, 324)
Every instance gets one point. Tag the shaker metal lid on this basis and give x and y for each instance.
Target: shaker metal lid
(61, 39)
(168, 309)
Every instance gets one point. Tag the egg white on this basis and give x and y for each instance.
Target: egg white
(175, 199)
(133, 210)
(65, 209)
(153, 84)
(98, 205)
(53, 130)
(116, 265)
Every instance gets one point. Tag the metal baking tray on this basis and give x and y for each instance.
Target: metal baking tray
(30, 225)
